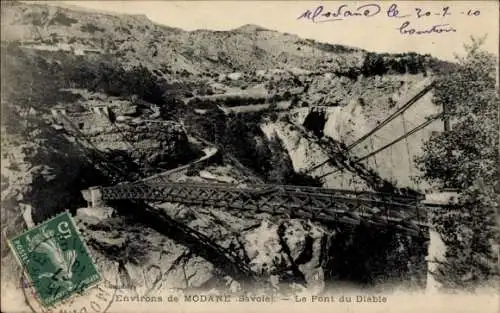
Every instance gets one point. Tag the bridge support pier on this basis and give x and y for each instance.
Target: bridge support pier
(92, 196)
(437, 248)
(435, 253)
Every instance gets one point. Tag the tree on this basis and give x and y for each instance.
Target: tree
(280, 165)
(466, 158)
(374, 65)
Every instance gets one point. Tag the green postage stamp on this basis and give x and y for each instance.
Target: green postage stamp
(55, 259)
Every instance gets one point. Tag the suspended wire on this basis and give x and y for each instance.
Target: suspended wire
(382, 124)
(392, 116)
(392, 162)
(381, 138)
(405, 129)
(414, 130)
(374, 157)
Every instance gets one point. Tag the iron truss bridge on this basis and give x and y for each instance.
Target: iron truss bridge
(318, 204)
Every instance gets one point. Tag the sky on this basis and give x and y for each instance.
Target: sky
(379, 33)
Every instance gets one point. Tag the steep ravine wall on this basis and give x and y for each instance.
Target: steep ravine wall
(345, 124)
(396, 163)
(305, 154)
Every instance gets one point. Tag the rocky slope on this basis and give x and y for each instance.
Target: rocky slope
(172, 51)
(139, 136)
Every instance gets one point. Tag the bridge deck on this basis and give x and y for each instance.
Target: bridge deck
(322, 204)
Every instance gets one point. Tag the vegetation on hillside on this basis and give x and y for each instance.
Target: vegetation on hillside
(42, 75)
(402, 63)
(466, 158)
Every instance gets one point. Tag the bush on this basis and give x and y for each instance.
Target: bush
(62, 19)
(374, 65)
(91, 28)
(192, 171)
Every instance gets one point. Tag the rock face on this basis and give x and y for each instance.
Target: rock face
(145, 261)
(289, 251)
(44, 172)
(143, 141)
(32, 188)
(288, 255)
(307, 153)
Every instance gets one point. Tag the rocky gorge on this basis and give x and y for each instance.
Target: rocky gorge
(132, 129)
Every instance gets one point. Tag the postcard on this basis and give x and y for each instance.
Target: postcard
(249, 156)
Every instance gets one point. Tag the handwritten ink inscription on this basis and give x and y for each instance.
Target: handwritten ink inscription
(320, 14)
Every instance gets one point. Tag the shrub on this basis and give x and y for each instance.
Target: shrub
(62, 19)
(91, 28)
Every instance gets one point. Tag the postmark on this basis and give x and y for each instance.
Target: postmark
(95, 299)
(56, 262)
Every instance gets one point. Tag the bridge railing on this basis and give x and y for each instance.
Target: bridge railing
(307, 202)
(332, 191)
